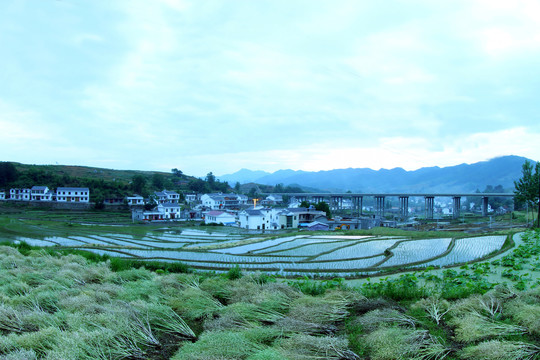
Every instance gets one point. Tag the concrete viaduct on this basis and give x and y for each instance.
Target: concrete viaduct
(335, 200)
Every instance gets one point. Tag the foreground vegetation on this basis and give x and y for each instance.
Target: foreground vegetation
(55, 305)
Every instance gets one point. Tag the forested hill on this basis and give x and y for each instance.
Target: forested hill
(104, 183)
(460, 178)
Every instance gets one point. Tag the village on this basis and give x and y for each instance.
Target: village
(260, 213)
(224, 209)
(237, 210)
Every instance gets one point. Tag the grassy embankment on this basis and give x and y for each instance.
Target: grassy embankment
(55, 306)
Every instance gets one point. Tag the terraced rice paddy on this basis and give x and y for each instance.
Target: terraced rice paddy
(417, 250)
(221, 249)
(469, 249)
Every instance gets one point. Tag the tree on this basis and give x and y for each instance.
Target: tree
(211, 180)
(304, 204)
(138, 182)
(8, 173)
(527, 188)
(497, 202)
(278, 188)
(253, 192)
(177, 172)
(237, 187)
(198, 185)
(323, 206)
(158, 181)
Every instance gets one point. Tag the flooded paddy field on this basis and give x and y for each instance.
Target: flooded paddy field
(220, 248)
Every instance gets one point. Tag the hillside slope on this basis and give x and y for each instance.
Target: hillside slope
(460, 178)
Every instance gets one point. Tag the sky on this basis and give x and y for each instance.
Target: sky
(216, 86)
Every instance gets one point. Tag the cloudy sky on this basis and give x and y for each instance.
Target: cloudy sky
(281, 84)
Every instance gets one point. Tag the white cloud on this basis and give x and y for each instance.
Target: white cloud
(217, 86)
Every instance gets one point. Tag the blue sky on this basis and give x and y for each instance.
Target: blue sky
(306, 85)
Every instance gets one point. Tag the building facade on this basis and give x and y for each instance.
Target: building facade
(72, 194)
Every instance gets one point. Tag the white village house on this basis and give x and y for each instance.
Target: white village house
(162, 212)
(2, 195)
(172, 211)
(219, 217)
(223, 201)
(274, 219)
(20, 194)
(265, 218)
(72, 194)
(41, 193)
(273, 199)
(167, 196)
(190, 198)
(135, 200)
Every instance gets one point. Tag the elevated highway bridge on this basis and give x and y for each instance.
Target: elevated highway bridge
(335, 200)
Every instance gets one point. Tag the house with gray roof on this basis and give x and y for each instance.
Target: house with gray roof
(135, 200)
(167, 196)
(223, 201)
(41, 193)
(162, 212)
(219, 217)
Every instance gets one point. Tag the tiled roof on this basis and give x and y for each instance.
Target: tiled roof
(217, 213)
(170, 205)
(71, 189)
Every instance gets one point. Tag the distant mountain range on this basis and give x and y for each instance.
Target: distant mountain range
(460, 178)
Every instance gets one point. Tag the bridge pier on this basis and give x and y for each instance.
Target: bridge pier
(338, 202)
(357, 204)
(484, 206)
(317, 199)
(404, 207)
(457, 207)
(379, 206)
(430, 204)
(332, 203)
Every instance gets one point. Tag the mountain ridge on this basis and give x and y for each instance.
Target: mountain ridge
(464, 177)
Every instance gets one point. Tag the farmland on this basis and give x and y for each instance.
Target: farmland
(55, 305)
(97, 291)
(219, 248)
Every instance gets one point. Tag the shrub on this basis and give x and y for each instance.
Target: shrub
(388, 343)
(332, 307)
(40, 341)
(20, 355)
(241, 315)
(398, 343)
(130, 274)
(474, 327)
(267, 354)
(218, 287)
(406, 287)
(219, 345)
(317, 287)
(501, 350)
(234, 273)
(527, 315)
(378, 318)
(302, 346)
(194, 304)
